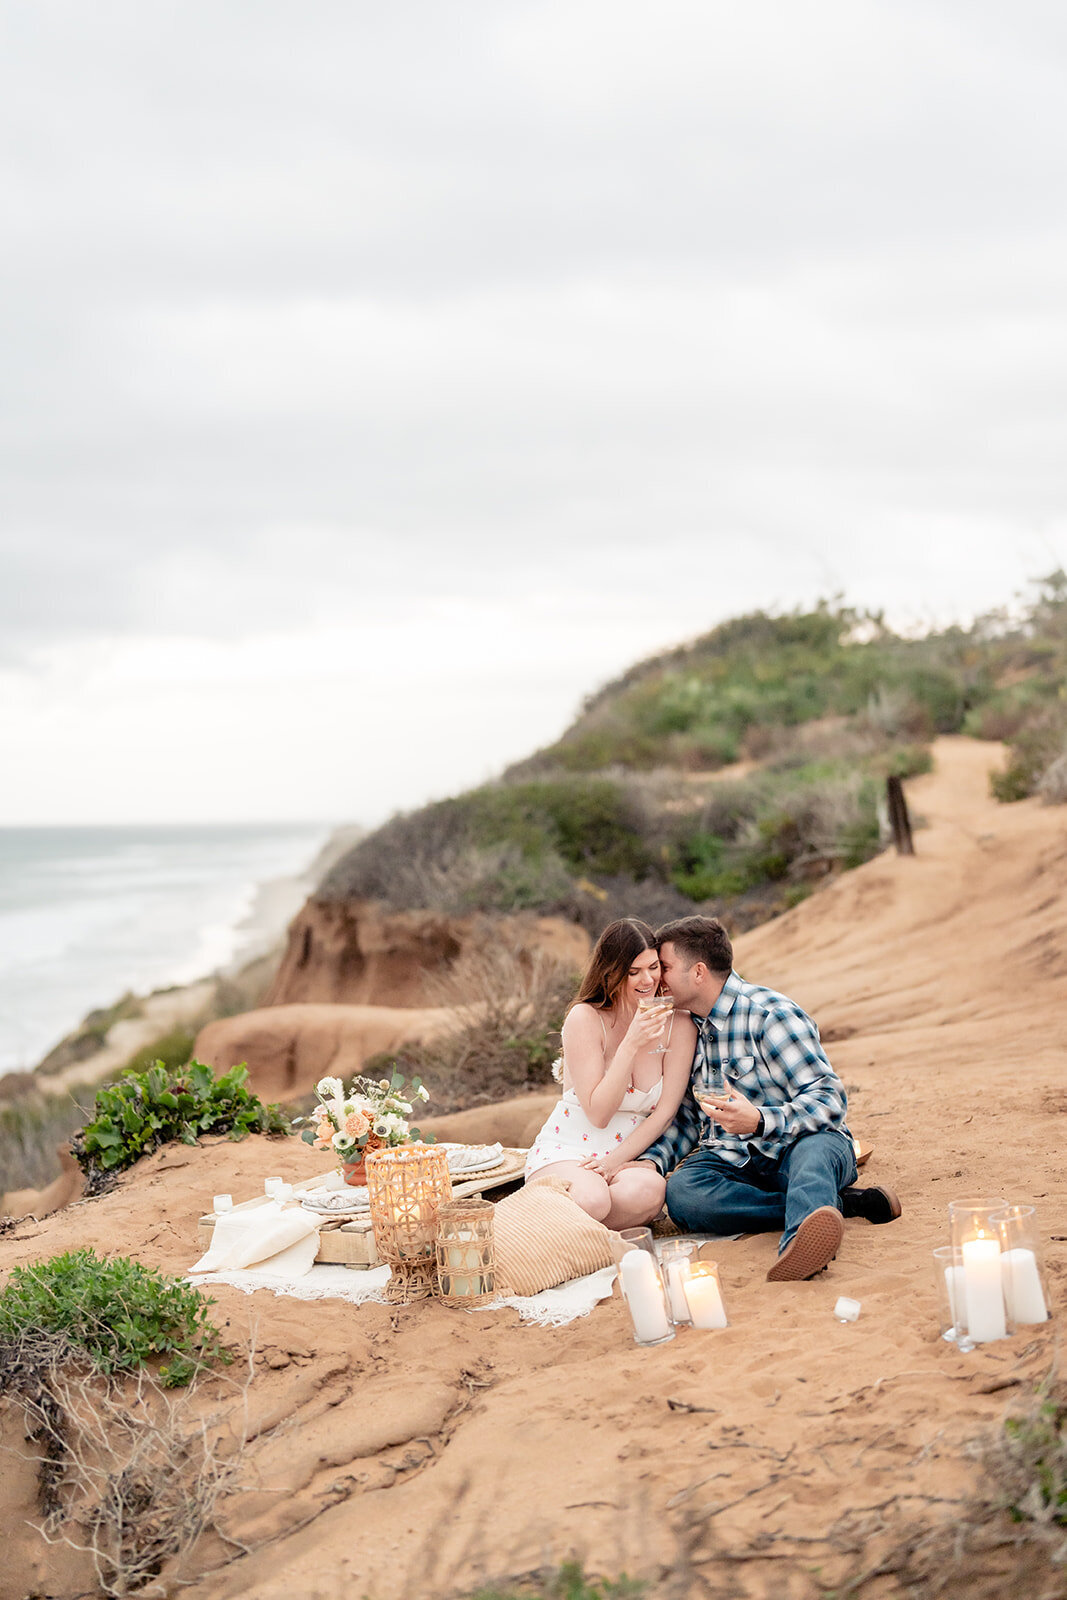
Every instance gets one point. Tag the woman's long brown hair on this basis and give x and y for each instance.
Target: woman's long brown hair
(609, 965)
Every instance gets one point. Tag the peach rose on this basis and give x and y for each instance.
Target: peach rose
(357, 1124)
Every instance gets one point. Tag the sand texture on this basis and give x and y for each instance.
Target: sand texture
(402, 1452)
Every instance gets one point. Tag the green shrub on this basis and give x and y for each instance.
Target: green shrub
(122, 1314)
(171, 1051)
(777, 826)
(31, 1127)
(568, 1583)
(1033, 751)
(1014, 783)
(1036, 1450)
(145, 1110)
(904, 761)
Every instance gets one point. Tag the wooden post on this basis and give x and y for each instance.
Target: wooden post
(899, 820)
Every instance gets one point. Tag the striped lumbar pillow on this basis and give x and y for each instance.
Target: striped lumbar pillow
(541, 1237)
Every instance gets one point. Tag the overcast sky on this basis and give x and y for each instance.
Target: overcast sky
(376, 381)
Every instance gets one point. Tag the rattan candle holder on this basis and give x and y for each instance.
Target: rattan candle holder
(406, 1187)
(466, 1266)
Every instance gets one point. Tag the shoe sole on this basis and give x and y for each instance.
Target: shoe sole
(812, 1247)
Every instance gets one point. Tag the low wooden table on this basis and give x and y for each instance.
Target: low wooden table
(351, 1243)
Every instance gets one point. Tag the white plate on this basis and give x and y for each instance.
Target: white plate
(336, 1202)
(464, 1159)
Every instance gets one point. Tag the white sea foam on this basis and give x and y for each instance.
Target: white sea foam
(87, 914)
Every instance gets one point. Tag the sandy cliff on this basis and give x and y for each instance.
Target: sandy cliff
(395, 1452)
(356, 952)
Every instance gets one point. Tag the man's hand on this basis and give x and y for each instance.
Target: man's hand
(731, 1111)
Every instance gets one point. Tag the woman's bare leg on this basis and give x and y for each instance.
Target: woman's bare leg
(636, 1197)
(588, 1189)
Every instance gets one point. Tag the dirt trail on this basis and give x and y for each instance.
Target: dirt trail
(797, 1447)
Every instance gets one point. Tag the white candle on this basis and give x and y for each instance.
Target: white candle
(222, 1202)
(677, 1273)
(702, 1295)
(846, 1310)
(1022, 1286)
(644, 1297)
(271, 1186)
(957, 1302)
(465, 1260)
(984, 1290)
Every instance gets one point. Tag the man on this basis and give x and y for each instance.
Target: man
(778, 1153)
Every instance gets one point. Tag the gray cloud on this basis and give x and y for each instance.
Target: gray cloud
(305, 308)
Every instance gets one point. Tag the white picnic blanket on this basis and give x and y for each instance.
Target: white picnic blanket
(550, 1309)
(274, 1242)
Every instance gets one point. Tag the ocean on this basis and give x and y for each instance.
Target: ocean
(89, 913)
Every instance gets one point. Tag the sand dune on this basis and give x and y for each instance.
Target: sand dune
(797, 1447)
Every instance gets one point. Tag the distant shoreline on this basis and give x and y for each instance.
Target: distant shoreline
(188, 1001)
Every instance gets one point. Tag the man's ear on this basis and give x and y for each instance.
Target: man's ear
(698, 972)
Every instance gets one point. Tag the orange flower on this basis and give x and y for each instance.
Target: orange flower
(357, 1124)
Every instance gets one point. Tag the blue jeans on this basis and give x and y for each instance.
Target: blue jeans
(709, 1195)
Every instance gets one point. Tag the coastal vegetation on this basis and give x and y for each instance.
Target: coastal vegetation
(509, 1003)
(127, 1474)
(732, 774)
(31, 1126)
(117, 1313)
(144, 1110)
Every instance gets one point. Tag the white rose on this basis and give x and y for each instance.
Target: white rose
(422, 1092)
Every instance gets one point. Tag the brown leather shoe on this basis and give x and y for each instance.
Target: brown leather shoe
(812, 1247)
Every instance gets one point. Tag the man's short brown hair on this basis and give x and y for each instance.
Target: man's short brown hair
(699, 939)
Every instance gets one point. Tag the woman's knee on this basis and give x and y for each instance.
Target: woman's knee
(641, 1187)
(591, 1192)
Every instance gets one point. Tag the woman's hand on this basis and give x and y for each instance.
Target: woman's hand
(645, 1028)
(606, 1166)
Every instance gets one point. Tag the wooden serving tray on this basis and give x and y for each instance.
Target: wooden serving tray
(351, 1243)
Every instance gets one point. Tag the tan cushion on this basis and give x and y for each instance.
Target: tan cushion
(541, 1237)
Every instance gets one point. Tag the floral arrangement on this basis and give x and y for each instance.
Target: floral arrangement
(372, 1113)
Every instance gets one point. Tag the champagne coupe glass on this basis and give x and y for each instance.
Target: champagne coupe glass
(663, 1004)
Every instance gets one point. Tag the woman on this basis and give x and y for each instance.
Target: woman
(624, 1072)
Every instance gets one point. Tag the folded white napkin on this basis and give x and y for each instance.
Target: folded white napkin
(279, 1240)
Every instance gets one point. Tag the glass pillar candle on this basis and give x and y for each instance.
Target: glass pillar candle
(948, 1286)
(1025, 1288)
(703, 1293)
(639, 1239)
(466, 1269)
(406, 1186)
(674, 1261)
(222, 1203)
(982, 1317)
(642, 1289)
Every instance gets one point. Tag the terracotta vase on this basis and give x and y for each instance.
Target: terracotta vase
(355, 1171)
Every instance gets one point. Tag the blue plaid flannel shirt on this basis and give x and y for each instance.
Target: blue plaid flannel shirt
(769, 1049)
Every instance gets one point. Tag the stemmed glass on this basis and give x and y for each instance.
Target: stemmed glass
(662, 1003)
(712, 1081)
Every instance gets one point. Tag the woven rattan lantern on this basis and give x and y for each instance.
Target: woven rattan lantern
(406, 1187)
(466, 1269)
